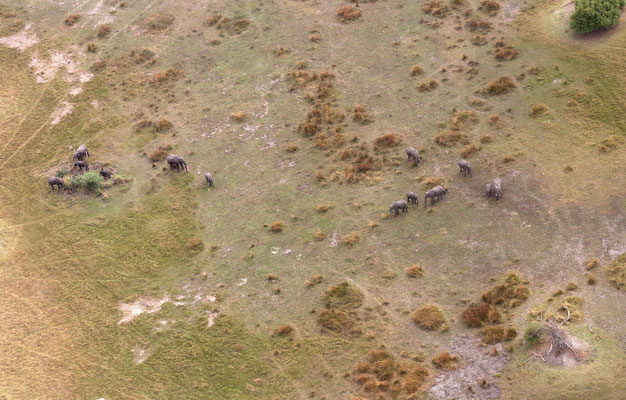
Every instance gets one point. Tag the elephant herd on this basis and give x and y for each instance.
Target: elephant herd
(435, 194)
(79, 157)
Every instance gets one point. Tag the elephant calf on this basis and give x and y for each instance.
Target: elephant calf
(411, 197)
(413, 155)
(105, 174)
(495, 190)
(397, 206)
(465, 168)
(81, 165)
(434, 194)
(55, 181)
(176, 162)
(209, 179)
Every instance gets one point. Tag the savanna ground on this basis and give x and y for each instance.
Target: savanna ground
(162, 288)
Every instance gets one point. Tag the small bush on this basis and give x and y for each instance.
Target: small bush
(195, 244)
(429, 317)
(158, 21)
(490, 5)
(160, 153)
(283, 330)
(469, 150)
(435, 8)
(72, 19)
(414, 271)
(291, 148)
(503, 85)
(322, 208)
(238, 116)
(343, 296)
(492, 334)
(276, 227)
(538, 109)
(90, 181)
(510, 334)
(387, 140)
(591, 280)
(475, 315)
(319, 236)
(533, 333)
(450, 138)
(617, 272)
(62, 173)
(486, 138)
(348, 13)
(592, 15)
(163, 125)
(417, 70)
(339, 321)
(104, 30)
(445, 361)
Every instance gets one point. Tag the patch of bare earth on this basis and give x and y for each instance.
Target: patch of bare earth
(476, 376)
(21, 40)
(61, 112)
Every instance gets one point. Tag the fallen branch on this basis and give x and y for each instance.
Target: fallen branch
(540, 356)
(590, 329)
(565, 320)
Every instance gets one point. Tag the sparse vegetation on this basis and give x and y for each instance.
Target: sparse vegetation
(72, 19)
(104, 30)
(348, 13)
(446, 361)
(430, 317)
(158, 21)
(617, 273)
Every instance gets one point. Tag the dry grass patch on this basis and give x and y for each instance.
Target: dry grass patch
(158, 21)
(166, 76)
(446, 361)
(291, 148)
(104, 30)
(617, 273)
(351, 239)
(469, 150)
(238, 116)
(538, 109)
(348, 13)
(343, 296)
(414, 271)
(283, 330)
(430, 317)
(276, 227)
(72, 19)
(322, 208)
(436, 8)
(490, 6)
(475, 315)
(160, 153)
(360, 115)
(427, 86)
(319, 236)
(450, 138)
(387, 140)
(339, 321)
(510, 294)
(508, 159)
(502, 85)
(417, 70)
(232, 26)
(464, 119)
(195, 244)
(492, 334)
(486, 138)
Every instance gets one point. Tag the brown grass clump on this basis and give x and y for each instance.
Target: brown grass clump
(446, 361)
(415, 379)
(493, 316)
(475, 315)
(160, 153)
(430, 317)
(387, 140)
(492, 334)
(431, 182)
(280, 50)
(339, 321)
(276, 227)
(348, 13)
(351, 239)
(104, 30)
(414, 271)
(92, 48)
(195, 244)
(158, 21)
(169, 75)
(238, 116)
(163, 125)
(473, 25)
(502, 85)
(344, 296)
(435, 8)
(493, 119)
(508, 159)
(490, 5)
(507, 295)
(213, 19)
(591, 280)
(319, 236)
(315, 37)
(428, 86)
(506, 53)
(291, 148)
(591, 264)
(232, 26)
(450, 138)
(571, 286)
(72, 19)
(283, 330)
(469, 150)
(538, 109)
(98, 65)
(617, 273)
(464, 119)
(360, 115)
(322, 208)
(417, 70)
(486, 138)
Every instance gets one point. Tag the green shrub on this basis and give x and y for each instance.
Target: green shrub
(591, 15)
(90, 181)
(533, 333)
(62, 172)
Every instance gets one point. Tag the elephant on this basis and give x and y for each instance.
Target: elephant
(413, 155)
(105, 174)
(80, 153)
(495, 190)
(55, 181)
(209, 179)
(412, 198)
(176, 162)
(81, 165)
(434, 195)
(465, 168)
(397, 206)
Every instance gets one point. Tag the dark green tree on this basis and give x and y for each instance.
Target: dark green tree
(591, 15)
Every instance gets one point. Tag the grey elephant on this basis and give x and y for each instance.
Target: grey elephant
(105, 174)
(55, 181)
(495, 189)
(434, 194)
(397, 206)
(176, 162)
(81, 165)
(465, 168)
(209, 179)
(411, 197)
(80, 153)
(413, 155)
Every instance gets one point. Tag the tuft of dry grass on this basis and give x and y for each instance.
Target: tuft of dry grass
(339, 321)
(435, 8)
(195, 244)
(428, 86)
(280, 50)
(506, 53)
(158, 21)
(387, 140)
(315, 37)
(238, 116)
(291, 148)
(344, 296)
(617, 273)
(417, 70)
(507, 295)
(450, 138)
(360, 115)
(163, 125)
(486, 138)
(591, 264)
(490, 6)
(508, 159)
(348, 13)
(160, 153)
(283, 330)
(232, 26)
(322, 208)
(475, 314)
(538, 109)
(431, 182)
(492, 334)
(319, 236)
(464, 119)
(104, 30)
(493, 119)
(430, 317)
(276, 227)
(72, 19)
(502, 85)
(213, 19)
(169, 75)
(446, 361)
(469, 150)
(414, 271)
(351, 239)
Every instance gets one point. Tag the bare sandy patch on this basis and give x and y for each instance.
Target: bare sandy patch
(76, 91)
(143, 305)
(140, 354)
(61, 112)
(46, 69)
(21, 40)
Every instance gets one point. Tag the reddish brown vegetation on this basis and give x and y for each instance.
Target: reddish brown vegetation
(348, 13)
